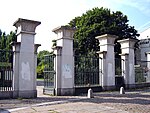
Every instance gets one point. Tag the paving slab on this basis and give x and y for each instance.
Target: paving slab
(73, 107)
(137, 101)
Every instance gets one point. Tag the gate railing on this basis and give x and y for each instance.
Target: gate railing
(142, 70)
(49, 72)
(6, 70)
(87, 71)
(119, 66)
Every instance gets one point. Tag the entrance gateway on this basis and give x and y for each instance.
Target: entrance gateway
(74, 72)
(49, 74)
(25, 56)
(88, 74)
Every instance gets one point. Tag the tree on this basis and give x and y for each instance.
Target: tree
(99, 21)
(5, 46)
(5, 40)
(41, 62)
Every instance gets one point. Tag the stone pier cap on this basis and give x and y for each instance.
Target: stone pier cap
(64, 32)
(128, 43)
(57, 29)
(106, 39)
(25, 25)
(106, 35)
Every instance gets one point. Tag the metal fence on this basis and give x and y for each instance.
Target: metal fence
(6, 70)
(142, 71)
(119, 70)
(87, 71)
(119, 66)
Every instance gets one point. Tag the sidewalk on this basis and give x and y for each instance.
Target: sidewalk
(69, 107)
(104, 102)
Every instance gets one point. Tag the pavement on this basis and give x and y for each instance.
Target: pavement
(68, 107)
(104, 102)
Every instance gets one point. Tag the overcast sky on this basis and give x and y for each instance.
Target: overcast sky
(54, 13)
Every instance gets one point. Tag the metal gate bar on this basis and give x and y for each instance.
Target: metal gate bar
(87, 71)
(6, 71)
(49, 74)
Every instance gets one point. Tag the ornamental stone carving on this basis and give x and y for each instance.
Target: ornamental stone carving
(24, 25)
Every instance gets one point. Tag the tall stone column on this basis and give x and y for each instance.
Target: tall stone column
(148, 67)
(108, 62)
(36, 46)
(127, 47)
(25, 72)
(16, 49)
(57, 52)
(65, 61)
(125, 68)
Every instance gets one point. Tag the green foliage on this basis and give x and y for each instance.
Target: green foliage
(99, 21)
(41, 62)
(5, 46)
(5, 40)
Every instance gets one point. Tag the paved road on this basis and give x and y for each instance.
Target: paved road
(106, 102)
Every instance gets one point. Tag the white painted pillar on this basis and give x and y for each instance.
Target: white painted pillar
(148, 67)
(125, 69)
(108, 61)
(57, 86)
(25, 73)
(16, 50)
(65, 62)
(127, 47)
(35, 63)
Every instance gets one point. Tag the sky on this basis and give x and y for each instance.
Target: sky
(54, 13)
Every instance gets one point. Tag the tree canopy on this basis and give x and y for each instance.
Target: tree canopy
(5, 46)
(5, 40)
(99, 21)
(41, 63)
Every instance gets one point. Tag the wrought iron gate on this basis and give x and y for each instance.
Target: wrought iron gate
(87, 71)
(49, 74)
(142, 69)
(6, 70)
(119, 70)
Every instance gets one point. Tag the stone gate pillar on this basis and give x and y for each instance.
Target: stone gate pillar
(127, 47)
(108, 62)
(148, 67)
(64, 61)
(24, 69)
(16, 50)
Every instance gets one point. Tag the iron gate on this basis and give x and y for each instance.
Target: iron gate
(142, 69)
(119, 70)
(87, 71)
(6, 70)
(49, 74)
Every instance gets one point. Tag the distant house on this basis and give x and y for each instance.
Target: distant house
(144, 45)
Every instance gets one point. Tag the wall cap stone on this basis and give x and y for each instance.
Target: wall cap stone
(106, 35)
(25, 25)
(63, 28)
(128, 39)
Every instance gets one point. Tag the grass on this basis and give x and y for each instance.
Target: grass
(40, 79)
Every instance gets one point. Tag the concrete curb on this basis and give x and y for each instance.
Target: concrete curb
(42, 104)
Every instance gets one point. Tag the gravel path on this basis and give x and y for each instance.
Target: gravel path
(133, 102)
